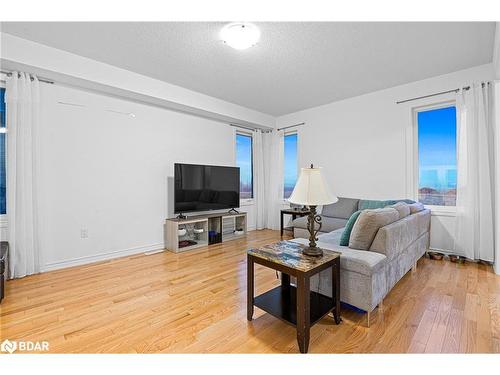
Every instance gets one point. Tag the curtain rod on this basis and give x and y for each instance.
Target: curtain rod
(251, 129)
(439, 93)
(39, 79)
(292, 126)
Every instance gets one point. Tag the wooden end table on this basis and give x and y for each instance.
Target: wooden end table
(295, 213)
(298, 306)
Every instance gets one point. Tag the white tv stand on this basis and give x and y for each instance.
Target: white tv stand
(204, 230)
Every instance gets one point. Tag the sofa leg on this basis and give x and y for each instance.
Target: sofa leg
(414, 268)
(368, 319)
(381, 306)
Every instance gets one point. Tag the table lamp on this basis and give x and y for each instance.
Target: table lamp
(311, 190)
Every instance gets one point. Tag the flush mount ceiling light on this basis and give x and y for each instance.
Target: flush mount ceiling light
(240, 35)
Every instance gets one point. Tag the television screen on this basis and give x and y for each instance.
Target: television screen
(205, 187)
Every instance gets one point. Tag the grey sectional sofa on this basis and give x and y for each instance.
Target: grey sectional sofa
(334, 216)
(367, 276)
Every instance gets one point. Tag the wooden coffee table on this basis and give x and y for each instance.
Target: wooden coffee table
(298, 306)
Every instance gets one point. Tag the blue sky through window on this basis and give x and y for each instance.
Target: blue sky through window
(437, 156)
(290, 161)
(244, 161)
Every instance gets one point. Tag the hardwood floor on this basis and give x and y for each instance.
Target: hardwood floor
(196, 302)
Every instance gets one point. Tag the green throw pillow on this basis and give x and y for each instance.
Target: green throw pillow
(366, 204)
(346, 234)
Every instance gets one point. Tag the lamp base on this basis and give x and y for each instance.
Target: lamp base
(312, 251)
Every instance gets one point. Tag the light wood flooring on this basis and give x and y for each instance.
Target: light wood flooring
(195, 302)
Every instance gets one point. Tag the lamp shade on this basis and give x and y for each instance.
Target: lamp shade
(311, 189)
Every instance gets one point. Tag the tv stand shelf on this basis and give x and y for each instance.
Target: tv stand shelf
(182, 234)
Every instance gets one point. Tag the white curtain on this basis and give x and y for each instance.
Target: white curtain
(259, 180)
(474, 227)
(273, 145)
(22, 105)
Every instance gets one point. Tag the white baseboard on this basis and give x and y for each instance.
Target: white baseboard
(152, 252)
(148, 250)
(100, 257)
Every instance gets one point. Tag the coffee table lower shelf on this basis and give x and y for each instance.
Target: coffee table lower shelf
(281, 302)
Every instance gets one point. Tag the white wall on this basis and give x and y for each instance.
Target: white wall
(496, 51)
(364, 143)
(497, 175)
(108, 173)
(496, 64)
(3, 229)
(68, 68)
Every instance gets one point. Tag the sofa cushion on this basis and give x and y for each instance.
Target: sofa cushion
(416, 207)
(360, 261)
(332, 238)
(346, 234)
(407, 201)
(402, 208)
(368, 204)
(368, 224)
(328, 224)
(342, 209)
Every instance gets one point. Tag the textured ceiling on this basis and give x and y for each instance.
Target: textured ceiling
(295, 65)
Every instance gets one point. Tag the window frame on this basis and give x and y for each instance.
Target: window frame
(3, 217)
(290, 132)
(441, 210)
(245, 201)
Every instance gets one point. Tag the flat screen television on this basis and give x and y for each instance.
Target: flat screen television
(205, 187)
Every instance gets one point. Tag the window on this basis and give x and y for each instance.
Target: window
(290, 156)
(3, 208)
(244, 161)
(437, 156)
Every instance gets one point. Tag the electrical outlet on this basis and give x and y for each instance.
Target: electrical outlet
(84, 233)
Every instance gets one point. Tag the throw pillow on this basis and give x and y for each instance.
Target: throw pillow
(402, 208)
(342, 209)
(346, 234)
(368, 224)
(416, 207)
(367, 204)
(407, 201)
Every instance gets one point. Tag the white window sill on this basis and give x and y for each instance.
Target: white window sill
(442, 211)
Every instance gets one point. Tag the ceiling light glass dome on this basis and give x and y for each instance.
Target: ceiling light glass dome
(240, 35)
